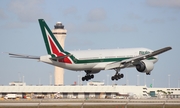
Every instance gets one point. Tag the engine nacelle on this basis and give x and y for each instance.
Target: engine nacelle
(92, 71)
(145, 66)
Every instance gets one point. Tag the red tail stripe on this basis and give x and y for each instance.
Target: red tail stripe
(56, 51)
(54, 48)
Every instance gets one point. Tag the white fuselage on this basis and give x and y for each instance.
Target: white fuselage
(105, 56)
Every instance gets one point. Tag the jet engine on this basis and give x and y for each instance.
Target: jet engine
(145, 66)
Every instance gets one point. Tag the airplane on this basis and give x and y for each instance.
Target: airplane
(93, 61)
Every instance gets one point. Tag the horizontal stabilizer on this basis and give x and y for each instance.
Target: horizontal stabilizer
(23, 56)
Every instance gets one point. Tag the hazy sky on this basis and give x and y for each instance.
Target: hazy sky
(90, 24)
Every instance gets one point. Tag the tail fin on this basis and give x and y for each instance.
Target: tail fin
(52, 45)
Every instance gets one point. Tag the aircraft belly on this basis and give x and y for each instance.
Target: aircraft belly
(86, 66)
(101, 66)
(46, 59)
(76, 67)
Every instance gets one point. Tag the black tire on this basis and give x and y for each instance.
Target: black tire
(86, 78)
(112, 78)
(83, 78)
(122, 75)
(119, 76)
(89, 77)
(92, 76)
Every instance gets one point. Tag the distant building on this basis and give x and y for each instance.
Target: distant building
(95, 83)
(17, 83)
(93, 89)
(60, 34)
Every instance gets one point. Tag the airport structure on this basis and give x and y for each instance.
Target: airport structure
(60, 34)
(96, 90)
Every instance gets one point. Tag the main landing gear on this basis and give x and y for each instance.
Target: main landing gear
(87, 77)
(117, 75)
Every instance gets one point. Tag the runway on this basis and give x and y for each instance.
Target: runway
(79, 104)
(89, 102)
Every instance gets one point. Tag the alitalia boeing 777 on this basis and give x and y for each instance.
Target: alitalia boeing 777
(93, 61)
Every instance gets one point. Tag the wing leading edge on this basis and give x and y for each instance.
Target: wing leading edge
(125, 63)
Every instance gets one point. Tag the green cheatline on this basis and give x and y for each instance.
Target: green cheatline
(76, 61)
(151, 85)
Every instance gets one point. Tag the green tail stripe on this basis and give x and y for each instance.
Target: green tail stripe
(44, 26)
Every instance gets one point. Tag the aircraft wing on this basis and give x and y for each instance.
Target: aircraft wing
(23, 56)
(127, 62)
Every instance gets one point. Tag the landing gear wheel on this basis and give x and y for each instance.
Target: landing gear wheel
(122, 75)
(112, 78)
(83, 78)
(117, 75)
(92, 76)
(87, 77)
(116, 78)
